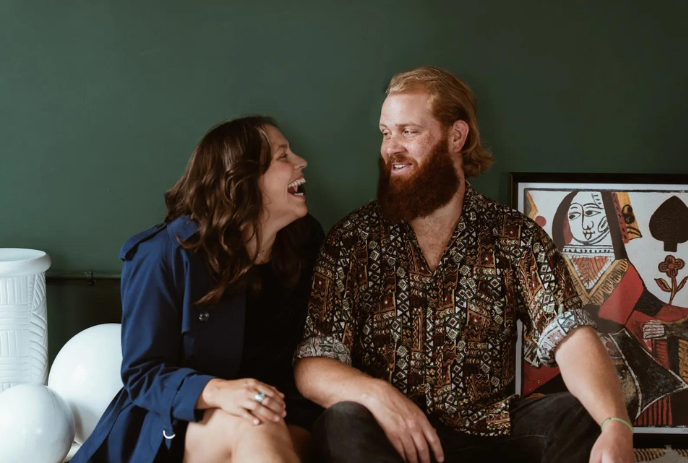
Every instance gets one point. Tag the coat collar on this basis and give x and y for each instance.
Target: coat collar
(183, 227)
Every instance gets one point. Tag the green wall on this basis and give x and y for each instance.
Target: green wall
(103, 102)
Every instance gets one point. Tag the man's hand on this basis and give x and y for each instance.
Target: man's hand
(615, 445)
(405, 425)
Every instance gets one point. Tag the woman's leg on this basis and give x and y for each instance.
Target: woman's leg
(221, 437)
(301, 440)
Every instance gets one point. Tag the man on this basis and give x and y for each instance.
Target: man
(410, 336)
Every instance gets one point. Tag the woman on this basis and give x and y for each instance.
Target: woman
(214, 301)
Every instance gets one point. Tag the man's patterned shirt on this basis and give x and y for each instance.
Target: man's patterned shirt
(446, 339)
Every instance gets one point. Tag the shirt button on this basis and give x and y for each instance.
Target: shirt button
(204, 316)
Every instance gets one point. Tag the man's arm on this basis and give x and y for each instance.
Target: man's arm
(562, 330)
(327, 381)
(591, 377)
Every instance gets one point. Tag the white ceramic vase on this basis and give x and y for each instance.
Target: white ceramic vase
(23, 317)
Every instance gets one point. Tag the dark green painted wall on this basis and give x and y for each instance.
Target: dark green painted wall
(102, 102)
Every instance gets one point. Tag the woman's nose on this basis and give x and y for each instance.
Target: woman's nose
(301, 163)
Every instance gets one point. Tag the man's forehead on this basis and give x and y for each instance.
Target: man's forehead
(406, 108)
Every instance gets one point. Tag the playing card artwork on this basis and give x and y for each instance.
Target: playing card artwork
(626, 247)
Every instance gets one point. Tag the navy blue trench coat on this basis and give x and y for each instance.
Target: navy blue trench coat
(167, 342)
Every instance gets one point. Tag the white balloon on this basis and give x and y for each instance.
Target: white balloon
(86, 373)
(36, 425)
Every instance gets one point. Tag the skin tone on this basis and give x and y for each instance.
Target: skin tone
(258, 431)
(280, 206)
(409, 132)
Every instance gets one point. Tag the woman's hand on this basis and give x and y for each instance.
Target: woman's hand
(238, 397)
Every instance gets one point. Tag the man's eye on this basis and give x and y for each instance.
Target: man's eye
(574, 215)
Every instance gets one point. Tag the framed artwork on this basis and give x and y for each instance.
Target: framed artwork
(625, 241)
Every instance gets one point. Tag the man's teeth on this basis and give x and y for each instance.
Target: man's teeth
(398, 166)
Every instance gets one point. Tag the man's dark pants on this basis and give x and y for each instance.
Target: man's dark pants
(550, 429)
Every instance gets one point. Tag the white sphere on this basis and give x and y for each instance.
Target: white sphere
(36, 425)
(86, 373)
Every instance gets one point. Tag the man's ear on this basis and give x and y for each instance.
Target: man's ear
(458, 136)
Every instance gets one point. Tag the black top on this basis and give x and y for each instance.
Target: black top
(274, 323)
(275, 318)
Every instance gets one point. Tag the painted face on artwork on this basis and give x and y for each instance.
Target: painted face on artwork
(418, 174)
(587, 219)
(284, 198)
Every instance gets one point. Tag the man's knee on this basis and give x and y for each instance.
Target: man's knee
(573, 420)
(344, 418)
(571, 408)
(348, 432)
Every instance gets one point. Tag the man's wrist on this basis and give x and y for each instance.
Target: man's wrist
(615, 424)
(375, 389)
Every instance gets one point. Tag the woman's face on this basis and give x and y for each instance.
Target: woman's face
(284, 198)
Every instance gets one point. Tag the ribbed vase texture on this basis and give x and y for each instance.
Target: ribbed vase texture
(23, 330)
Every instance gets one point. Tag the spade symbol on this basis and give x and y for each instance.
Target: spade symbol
(669, 223)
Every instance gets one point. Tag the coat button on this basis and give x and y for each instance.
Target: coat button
(204, 316)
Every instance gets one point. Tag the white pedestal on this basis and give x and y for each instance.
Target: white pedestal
(23, 317)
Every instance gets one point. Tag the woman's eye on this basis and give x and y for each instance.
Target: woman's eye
(591, 213)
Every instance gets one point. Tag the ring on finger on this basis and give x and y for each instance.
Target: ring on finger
(259, 397)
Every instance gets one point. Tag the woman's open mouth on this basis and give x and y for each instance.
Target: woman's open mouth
(296, 188)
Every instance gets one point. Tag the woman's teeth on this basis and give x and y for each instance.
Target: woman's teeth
(295, 188)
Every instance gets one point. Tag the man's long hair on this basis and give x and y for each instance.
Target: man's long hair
(219, 190)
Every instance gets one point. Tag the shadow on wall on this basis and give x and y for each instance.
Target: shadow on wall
(74, 306)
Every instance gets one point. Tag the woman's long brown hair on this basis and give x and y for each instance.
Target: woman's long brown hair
(219, 190)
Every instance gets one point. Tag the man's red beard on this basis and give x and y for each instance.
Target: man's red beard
(431, 186)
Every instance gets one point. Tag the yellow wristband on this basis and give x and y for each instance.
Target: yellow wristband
(630, 426)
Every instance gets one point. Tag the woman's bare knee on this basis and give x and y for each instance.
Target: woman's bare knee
(213, 438)
(221, 436)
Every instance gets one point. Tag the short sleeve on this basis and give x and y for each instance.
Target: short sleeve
(548, 303)
(331, 320)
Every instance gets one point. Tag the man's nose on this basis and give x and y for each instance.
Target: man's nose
(392, 146)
